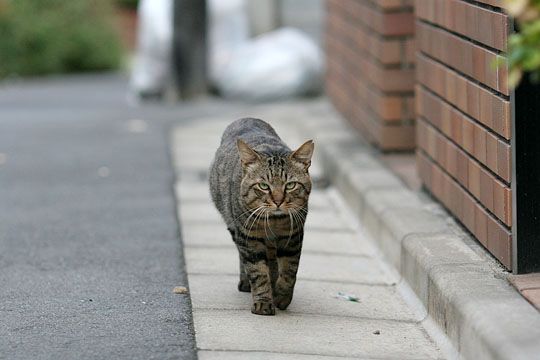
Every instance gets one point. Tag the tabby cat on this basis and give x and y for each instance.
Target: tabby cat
(261, 189)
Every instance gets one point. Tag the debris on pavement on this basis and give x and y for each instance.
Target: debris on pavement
(377, 332)
(180, 290)
(348, 297)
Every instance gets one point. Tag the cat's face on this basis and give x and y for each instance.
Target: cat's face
(275, 184)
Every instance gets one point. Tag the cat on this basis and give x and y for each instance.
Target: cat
(261, 188)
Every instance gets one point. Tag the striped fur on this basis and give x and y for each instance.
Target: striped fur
(261, 188)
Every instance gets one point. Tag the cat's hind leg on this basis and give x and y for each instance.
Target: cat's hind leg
(243, 284)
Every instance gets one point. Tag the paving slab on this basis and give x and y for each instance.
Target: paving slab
(204, 234)
(342, 269)
(318, 220)
(311, 297)
(249, 355)
(238, 330)
(319, 200)
(325, 219)
(200, 212)
(190, 191)
(199, 191)
(337, 243)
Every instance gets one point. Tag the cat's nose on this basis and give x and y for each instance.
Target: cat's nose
(277, 198)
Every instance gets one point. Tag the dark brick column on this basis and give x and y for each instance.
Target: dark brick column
(189, 47)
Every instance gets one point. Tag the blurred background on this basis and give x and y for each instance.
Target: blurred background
(170, 49)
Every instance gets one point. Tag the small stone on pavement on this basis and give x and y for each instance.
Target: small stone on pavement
(180, 290)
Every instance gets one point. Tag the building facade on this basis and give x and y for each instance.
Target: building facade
(423, 76)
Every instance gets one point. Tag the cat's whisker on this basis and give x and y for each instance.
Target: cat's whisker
(302, 215)
(298, 218)
(260, 212)
(255, 215)
(303, 209)
(266, 225)
(245, 212)
(291, 228)
(291, 225)
(252, 214)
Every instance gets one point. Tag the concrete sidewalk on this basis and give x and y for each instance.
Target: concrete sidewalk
(337, 257)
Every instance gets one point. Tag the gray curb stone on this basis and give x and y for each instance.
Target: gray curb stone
(464, 290)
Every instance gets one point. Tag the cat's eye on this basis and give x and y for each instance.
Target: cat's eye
(290, 185)
(264, 186)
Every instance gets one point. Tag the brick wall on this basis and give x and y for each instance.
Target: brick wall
(463, 115)
(370, 62)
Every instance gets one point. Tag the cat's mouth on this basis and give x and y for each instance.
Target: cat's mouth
(278, 212)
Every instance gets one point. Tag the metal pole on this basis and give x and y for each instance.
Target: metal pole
(189, 47)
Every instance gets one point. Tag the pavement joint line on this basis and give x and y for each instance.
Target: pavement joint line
(308, 354)
(310, 314)
(306, 279)
(291, 353)
(329, 253)
(426, 320)
(310, 228)
(380, 284)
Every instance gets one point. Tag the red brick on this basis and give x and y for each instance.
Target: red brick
(486, 189)
(483, 25)
(495, 237)
(494, 111)
(401, 23)
(458, 53)
(479, 145)
(474, 179)
(480, 225)
(435, 111)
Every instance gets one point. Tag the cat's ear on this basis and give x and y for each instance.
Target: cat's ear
(303, 153)
(248, 156)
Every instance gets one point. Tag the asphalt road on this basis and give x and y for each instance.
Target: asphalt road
(89, 242)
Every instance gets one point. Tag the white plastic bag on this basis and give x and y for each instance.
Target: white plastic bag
(153, 60)
(276, 65)
(228, 30)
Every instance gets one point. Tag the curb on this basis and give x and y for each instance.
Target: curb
(463, 289)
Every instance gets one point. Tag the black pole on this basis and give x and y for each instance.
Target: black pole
(189, 47)
(526, 177)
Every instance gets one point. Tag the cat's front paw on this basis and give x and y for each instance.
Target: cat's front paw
(263, 308)
(282, 301)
